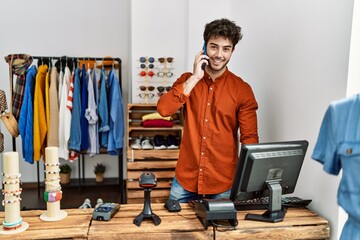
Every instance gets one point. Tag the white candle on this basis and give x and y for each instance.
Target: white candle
(11, 168)
(11, 163)
(52, 155)
(52, 168)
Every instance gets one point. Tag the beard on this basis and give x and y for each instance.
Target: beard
(219, 66)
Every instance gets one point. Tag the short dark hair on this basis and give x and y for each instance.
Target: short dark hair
(223, 28)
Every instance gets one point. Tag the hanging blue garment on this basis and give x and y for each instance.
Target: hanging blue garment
(104, 126)
(116, 133)
(338, 147)
(75, 129)
(26, 118)
(84, 104)
(96, 95)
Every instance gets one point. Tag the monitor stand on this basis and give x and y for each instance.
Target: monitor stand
(276, 212)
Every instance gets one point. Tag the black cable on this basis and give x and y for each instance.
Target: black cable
(185, 216)
(226, 228)
(214, 233)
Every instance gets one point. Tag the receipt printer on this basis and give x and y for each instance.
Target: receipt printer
(209, 211)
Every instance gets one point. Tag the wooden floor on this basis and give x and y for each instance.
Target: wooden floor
(73, 195)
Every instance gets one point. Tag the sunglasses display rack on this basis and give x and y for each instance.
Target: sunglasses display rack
(154, 77)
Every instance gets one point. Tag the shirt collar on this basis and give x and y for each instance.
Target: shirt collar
(224, 75)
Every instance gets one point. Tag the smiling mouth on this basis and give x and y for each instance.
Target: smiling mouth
(217, 62)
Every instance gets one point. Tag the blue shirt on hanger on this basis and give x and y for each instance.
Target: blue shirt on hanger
(84, 104)
(75, 129)
(116, 133)
(103, 111)
(338, 147)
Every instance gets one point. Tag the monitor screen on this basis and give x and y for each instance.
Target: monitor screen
(268, 169)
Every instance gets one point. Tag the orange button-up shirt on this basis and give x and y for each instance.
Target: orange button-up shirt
(213, 113)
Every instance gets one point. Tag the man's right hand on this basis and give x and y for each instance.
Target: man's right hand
(198, 72)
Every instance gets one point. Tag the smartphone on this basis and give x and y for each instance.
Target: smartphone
(203, 66)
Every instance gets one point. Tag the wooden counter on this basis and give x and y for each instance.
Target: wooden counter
(74, 226)
(299, 223)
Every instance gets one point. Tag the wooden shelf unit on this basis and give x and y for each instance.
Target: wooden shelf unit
(161, 162)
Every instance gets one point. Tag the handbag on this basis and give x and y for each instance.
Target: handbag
(7, 117)
(10, 124)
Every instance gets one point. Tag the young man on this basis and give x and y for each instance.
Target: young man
(216, 104)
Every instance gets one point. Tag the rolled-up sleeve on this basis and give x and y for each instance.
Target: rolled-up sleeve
(170, 102)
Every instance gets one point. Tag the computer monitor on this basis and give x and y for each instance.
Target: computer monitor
(268, 169)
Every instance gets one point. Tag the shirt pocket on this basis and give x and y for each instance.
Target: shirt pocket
(349, 153)
(349, 149)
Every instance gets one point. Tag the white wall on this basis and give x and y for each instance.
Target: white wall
(57, 28)
(353, 86)
(295, 55)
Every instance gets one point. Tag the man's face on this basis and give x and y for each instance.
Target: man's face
(219, 50)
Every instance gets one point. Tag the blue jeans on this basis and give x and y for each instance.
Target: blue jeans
(178, 193)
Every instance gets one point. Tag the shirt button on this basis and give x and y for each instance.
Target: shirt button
(202, 153)
(211, 88)
(204, 138)
(348, 151)
(200, 169)
(206, 120)
(208, 104)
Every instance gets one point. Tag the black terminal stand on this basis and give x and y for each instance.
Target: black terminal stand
(276, 212)
(147, 181)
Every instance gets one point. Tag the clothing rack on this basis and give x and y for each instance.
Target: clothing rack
(77, 58)
(120, 156)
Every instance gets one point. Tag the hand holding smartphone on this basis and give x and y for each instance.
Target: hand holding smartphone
(203, 66)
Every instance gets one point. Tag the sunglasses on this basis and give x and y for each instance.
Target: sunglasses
(144, 73)
(162, 89)
(150, 88)
(163, 74)
(145, 59)
(168, 59)
(148, 95)
(143, 66)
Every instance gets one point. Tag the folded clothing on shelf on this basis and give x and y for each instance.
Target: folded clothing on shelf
(157, 123)
(154, 115)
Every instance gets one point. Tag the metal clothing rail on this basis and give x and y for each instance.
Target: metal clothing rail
(120, 156)
(78, 58)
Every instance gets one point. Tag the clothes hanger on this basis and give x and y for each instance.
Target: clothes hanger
(108, 62)
(89, 63)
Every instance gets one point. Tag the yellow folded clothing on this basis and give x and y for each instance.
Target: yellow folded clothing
(154, 115)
